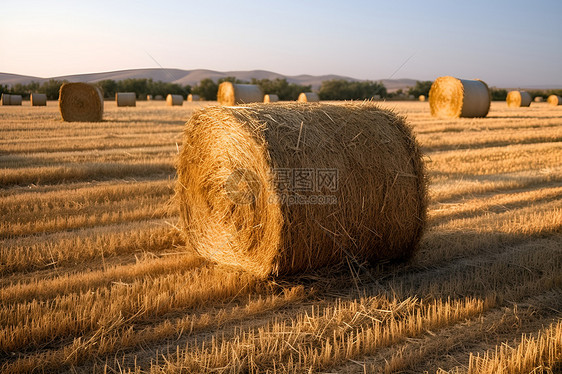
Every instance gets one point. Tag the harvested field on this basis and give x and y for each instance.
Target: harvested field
(95, 276)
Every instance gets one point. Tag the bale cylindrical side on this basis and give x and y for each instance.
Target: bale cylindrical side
(451, 97)
(539, 99)
(192, 97)
(308, 97)
(235, 94)
(5, 99)
(126, 98)
(173, 100)
(158, 97)
(516, 99)
(80, 102)
(281, 189)
(38, 99)
(421, 98)
(554, 100)
(16, 99)
(270, 98)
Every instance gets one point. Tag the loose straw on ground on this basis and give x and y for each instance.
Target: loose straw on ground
(451, 97)
(80, 102)
(235, 94)
(285, 188)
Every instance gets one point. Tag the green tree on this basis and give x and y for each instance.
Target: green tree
(341, 89)
(282, 88)
(421, 88)
(498, 94)
(207, 89)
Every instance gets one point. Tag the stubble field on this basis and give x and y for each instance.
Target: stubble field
(94, 275)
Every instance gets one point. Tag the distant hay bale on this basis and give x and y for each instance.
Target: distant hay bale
(192, 97)
(15, 100)
(5, 99)
(377, 97)
(421, 98)
(158, 97)
(281, 189)
(554, 100)
(309, 97)
(539, 99)
(516, 99)
(270, 98)
(148, 97)
(80, 102)
(451, 97)
(173, 100)
(126, 98)
(234, 94)
(38, 99)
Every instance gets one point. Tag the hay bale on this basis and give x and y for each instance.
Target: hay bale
(235, 94)
(126, 98)
(451, 97)
(554, 100)
(5, 99)
(16, 99)
(308, 97)
(192, 97)
(80, 102)
(148, 97)
(516, 99)
(173, 100)
(270, 98)
(377, 97)
(38, 99)
(539, 99)
(281, 189)
(158, 97)
(421, 98)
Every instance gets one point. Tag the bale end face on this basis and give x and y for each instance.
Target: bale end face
(554, 100)
(80, 102)
(360, 192)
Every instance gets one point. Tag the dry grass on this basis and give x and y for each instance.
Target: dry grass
(96, 277)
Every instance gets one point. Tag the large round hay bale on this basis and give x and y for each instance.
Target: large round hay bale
(538, 99)
(421, 98)
(5, 99)
(270, 98)
(451, 97)
(126, 98)
(80, 102)
(192, 97)
(308, 97)
(516, 99)
(554, 100)
(281, 189)
(38, 99)
(235, 94)
(16, 99)
(173, 100)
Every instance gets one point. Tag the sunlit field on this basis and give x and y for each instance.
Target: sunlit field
(95, 277)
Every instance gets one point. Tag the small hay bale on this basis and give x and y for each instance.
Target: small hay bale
(15, 99)
(554, 100)
(539, 99)
(126, 98)
(270, 98)
(421, 98)
(282, 189)
(5, 99)
(149, 97)
(158, 97)
(377, 97)
(451, 97)
(174, 100)
(516, 99)
(234, 94)
(80, 102)
(308, 97)
(38, 99)
(192, 97)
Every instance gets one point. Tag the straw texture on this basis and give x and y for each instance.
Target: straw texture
(451, 97)
(251, 191)
(270, 98)
(192, 97)
(554, 100)
(80, 102)
(38, 99)
(516, 99)
(174, 100)
(126, 98)
(308, 97)
(236, 94)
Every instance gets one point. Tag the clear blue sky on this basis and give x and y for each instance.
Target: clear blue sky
(506, 43)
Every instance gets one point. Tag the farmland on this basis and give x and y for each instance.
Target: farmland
(95, 277)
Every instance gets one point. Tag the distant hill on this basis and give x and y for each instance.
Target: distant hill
(193, 77)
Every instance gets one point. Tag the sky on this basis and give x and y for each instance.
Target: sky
(505, 43)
